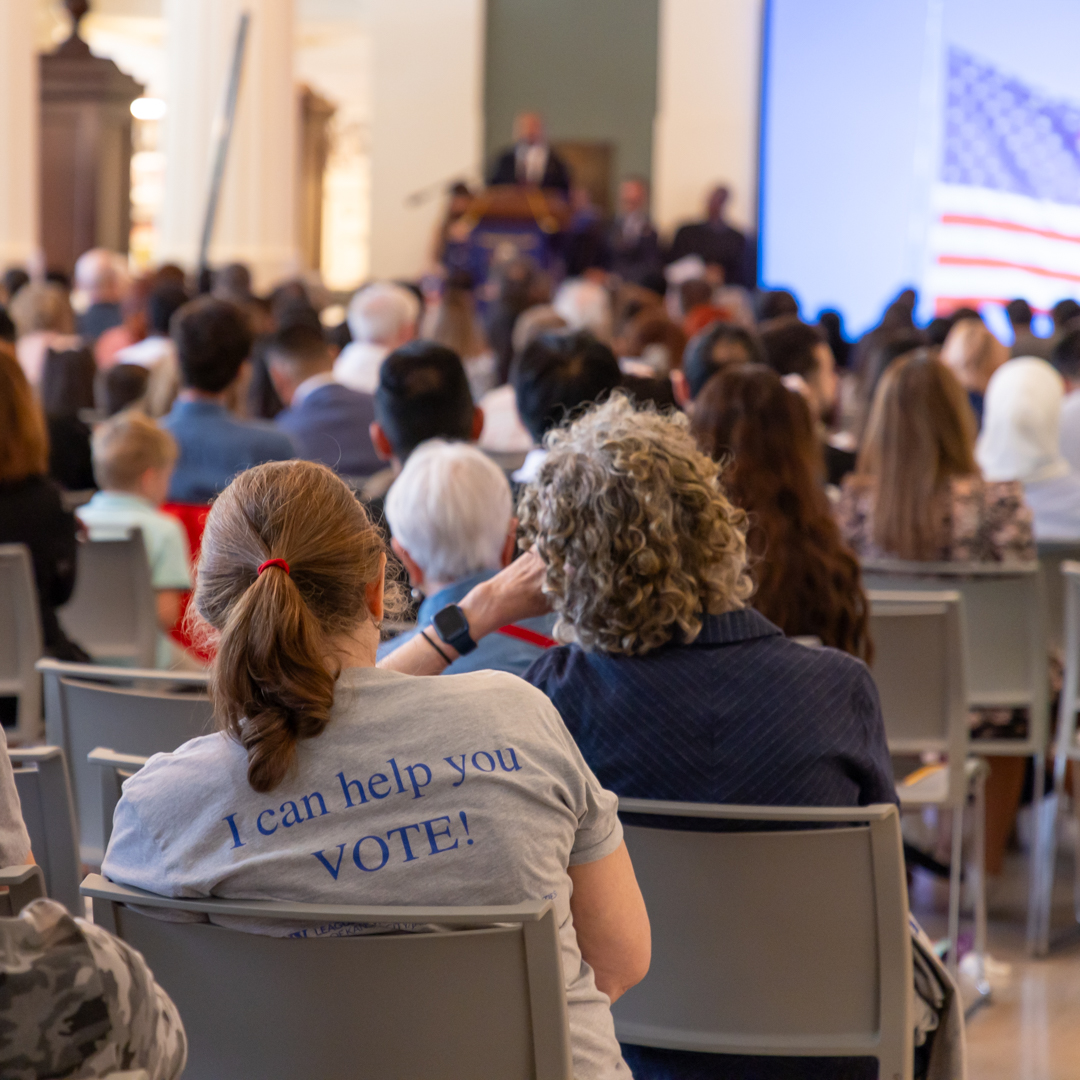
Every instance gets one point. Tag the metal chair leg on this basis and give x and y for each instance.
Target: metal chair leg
(1041, 855)
(954, 889)
(979, 865)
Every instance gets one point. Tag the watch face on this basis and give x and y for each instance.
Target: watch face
(450, 622)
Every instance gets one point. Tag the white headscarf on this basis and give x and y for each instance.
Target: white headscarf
(1021, 417)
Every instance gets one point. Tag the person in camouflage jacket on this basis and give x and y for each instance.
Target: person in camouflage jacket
(77, 1002)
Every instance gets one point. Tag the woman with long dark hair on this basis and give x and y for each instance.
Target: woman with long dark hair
(807, 580)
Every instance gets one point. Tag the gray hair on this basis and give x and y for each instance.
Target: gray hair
(585, 305)
(450, 508)
(380, 313)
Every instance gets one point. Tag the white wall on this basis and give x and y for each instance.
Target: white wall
(707, 108)
(426, 119)
(19, 239)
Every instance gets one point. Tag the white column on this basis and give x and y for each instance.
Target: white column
(19, 107)
(707, 108)
(426, 119)
(256, 219)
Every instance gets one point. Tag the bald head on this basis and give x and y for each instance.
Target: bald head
(529, 128)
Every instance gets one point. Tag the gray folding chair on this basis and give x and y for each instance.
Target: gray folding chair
(131, 710)
(919, 669)
(1005, 653)
(1052, 554)
(1066, 749)
(113, 611)
(41, 780)
(18, 886)
(791, 941)
(20, 638)
(115, 769)
(484, 1001)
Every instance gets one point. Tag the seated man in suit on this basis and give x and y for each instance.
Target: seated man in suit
(632, 239)
(328, 422)
(213, 341)
(717, 242)
(531, 160)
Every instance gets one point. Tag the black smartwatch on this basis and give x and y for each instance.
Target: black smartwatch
(452, 626)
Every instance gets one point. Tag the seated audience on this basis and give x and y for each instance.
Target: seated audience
(504, 433)
(452, 526)
(101, 278)
(67, 388)
(518, 284)
(132, 327)
(797, 349)
(44, 320)
(31, 510)
(1066, 360)
(1063, 313)
(11, 281)
(831, 324)
(917, 492)
(1025, 343)
(1020, 443)
(122, 386)
(644, 560)
(423, 394)
(585, 305)
(651, 346)
(327, 422)
(706, 353)
(212, 343)
(453, 322)
(879, 349)
(973, 354)
(382, 317)
(722, 247)
(776, 304)
(77, 1002)
(807, 580)
(156, 351)
(133, 461)
(291, 578)
(288, 310)
(556, 375)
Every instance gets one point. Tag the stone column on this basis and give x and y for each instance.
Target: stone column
(19, 219)
(256, 218)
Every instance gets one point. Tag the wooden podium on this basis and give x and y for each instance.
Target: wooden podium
(507, 221)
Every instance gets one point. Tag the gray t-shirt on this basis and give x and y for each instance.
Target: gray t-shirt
(462, 790)
(14, 842)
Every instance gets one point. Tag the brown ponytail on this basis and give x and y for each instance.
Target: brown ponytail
(273, 677)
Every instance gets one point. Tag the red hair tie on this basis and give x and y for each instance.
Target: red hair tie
(281, 564)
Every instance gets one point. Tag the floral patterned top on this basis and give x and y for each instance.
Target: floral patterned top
(979, 521)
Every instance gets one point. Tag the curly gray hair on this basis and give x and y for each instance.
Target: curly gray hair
(639, 539)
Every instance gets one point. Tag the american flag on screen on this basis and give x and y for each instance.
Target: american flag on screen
(1006, 211)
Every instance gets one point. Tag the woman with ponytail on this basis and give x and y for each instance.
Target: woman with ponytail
(333, 781)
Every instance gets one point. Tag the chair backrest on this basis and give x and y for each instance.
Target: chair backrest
(1004, 635)
(1052, 554)
(1070, 690)
(792, 940)
(920, 675)
(469, 1004)
(41, 779)
(22, 884)
(132, 711)
(115, 769)
(113, 612)
(20, 637)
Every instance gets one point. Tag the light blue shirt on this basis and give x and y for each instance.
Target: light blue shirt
(115, 513)
(496, 652)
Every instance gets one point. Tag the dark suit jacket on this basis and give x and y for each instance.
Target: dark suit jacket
(717, 244)
(556, 174)
(634, 259)
(331, 425)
